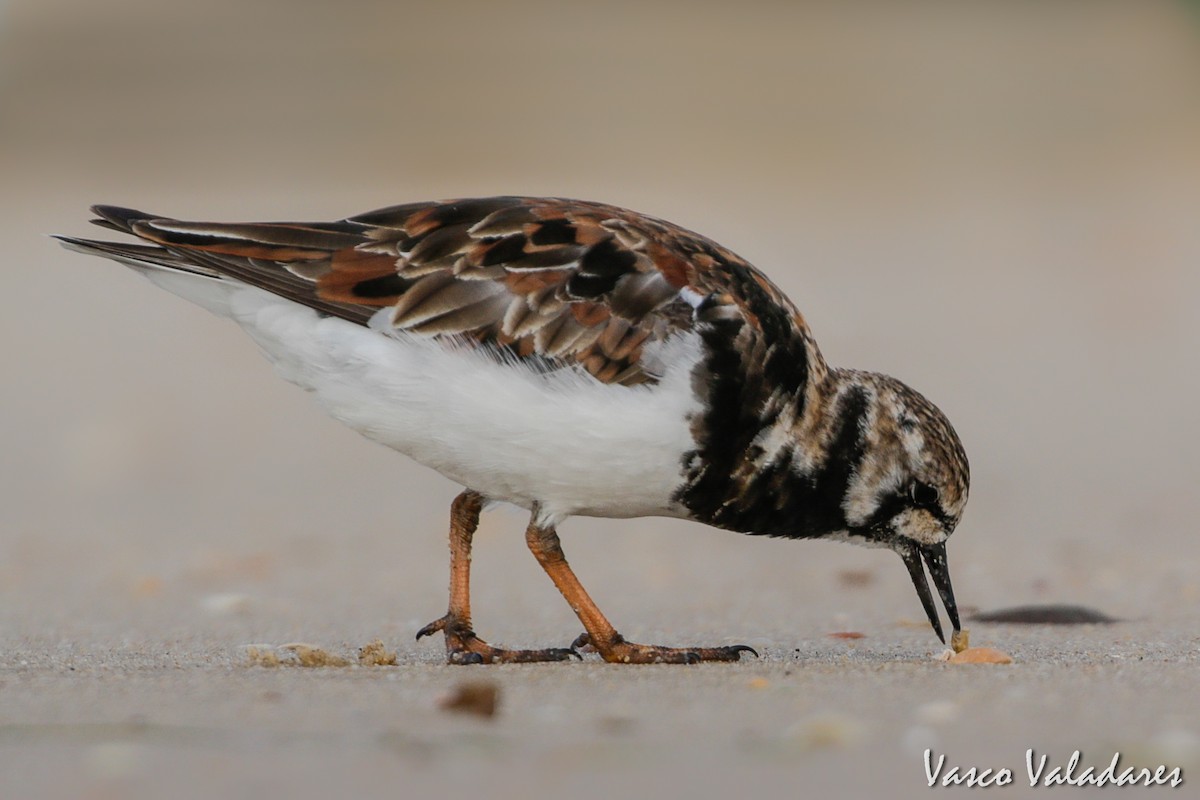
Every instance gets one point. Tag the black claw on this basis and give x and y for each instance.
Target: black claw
(738, 649)
(691, 658)
(439, 624)
(582, 640)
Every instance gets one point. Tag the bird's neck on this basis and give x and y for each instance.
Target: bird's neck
(784, 465)
(766, 397)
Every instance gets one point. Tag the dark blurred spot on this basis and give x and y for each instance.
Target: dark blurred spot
(1046, 615)
(615, 725)
(477, 698)
(855, 578)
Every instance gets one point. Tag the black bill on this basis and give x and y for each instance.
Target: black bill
(935, 560)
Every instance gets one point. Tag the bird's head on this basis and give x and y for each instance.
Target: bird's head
(911, 484)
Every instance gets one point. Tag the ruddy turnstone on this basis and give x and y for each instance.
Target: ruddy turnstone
(574, 358)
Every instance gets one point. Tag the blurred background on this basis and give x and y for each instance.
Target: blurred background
(994, 201)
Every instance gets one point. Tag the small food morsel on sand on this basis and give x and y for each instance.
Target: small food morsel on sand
(374, 654)
(309, 655)
(981, 655)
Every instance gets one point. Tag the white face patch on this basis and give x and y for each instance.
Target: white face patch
(920, 526)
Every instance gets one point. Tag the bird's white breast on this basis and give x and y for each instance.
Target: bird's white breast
(561, 439)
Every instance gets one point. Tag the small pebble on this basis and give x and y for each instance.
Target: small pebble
(478, 698)
(114, 760)
(149, 586)
(939, 712)
(855, 578)
(917, 738)
(225, 603)
(825, 731)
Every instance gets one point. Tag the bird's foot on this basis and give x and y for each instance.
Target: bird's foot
(464, 647)
(619, 651)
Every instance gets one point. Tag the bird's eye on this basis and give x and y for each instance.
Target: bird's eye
(923, 494)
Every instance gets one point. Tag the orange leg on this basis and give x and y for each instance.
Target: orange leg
(462, 645)
(547, 548)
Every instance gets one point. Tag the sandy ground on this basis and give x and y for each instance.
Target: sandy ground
(995, 204)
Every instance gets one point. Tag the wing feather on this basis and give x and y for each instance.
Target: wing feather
(550, 278)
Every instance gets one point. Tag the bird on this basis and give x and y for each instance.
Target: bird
(574, 358)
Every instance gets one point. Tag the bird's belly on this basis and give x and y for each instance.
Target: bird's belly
(562, 439)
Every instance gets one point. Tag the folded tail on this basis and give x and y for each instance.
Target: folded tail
(205, 262)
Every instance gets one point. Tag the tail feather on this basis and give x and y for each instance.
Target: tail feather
(278, 241)
(138, 256)
(203, 286)
(285, 258)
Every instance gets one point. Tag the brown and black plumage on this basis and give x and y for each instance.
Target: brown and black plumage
(637, 368)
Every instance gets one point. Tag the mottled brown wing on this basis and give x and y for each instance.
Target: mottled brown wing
(561, 279)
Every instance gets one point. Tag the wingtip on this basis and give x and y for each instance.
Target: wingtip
(103, 223)
(119, 218)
